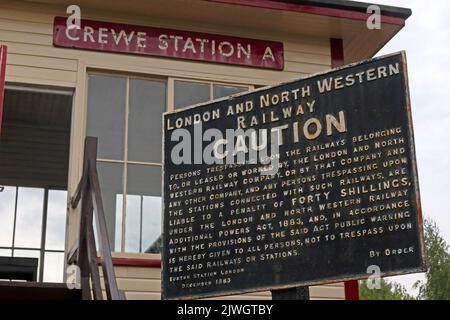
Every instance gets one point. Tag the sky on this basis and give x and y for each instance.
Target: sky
(426, 40)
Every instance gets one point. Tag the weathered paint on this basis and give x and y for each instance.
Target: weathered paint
(169, 43)
(375, 104)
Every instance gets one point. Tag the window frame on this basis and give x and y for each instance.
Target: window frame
(125, 162)
(42, 249)
(171, 88)
(170, 99)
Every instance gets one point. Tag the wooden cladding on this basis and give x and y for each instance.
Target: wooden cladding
(3, 52)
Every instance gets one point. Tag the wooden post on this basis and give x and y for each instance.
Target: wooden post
(89, 192)
(109, 277)
(83, 259)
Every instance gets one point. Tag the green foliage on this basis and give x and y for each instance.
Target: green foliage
(437, 284)
(388, 291)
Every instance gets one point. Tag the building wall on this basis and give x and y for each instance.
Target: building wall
(27, 28)
(145, 283)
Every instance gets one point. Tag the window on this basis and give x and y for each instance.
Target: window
(34, 160)
(44, 238)
(125, 113)
(187, 93)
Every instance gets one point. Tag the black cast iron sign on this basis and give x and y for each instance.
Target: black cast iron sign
(338, 200)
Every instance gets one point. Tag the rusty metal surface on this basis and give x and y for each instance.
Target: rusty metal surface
(375, 103)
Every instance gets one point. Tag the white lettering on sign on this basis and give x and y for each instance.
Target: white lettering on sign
(268, 54)
(74, 32)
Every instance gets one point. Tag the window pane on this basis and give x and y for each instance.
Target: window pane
(189, 93)
(56, 220)
(144, 180)
(7, 205)
(53, 267)
(151, 223)
(133, 224)
(5, 253)
(106, 115)
(221, 91)
(143, 218)
(29, 254)
(147, 104)
(118, 231)
(110, 175)
(143, 222)
(30, 205)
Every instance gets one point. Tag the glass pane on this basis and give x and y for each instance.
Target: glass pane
(5, 253)
(119, 218)
(56, 220)
(7, 205)
(30, 206)
(29, 254)
(110, 175)
(220, 91)
(151, 223)
(147, 104)
(133, 224)
(143, 215)
(144, 180)
(189, 93)
(53, 267)
(106, 115)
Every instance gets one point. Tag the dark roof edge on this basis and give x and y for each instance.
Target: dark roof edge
(392, 11)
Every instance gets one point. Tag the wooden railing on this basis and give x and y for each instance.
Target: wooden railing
(85, 253)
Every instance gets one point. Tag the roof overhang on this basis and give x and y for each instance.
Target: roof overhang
(342, 19)
(347, 5)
